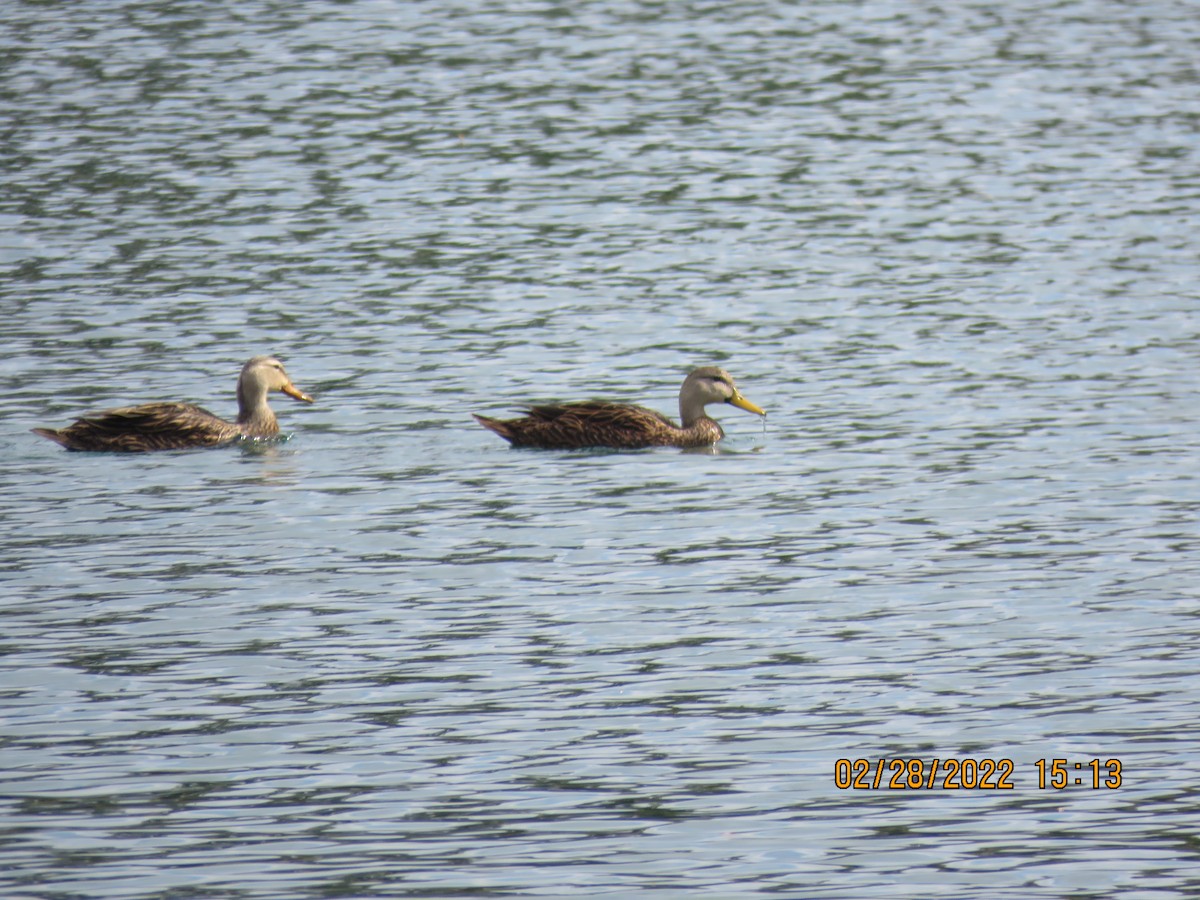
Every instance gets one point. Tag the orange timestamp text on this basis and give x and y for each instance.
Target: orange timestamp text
(971, 774)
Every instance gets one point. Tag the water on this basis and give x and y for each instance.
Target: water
(950, 250)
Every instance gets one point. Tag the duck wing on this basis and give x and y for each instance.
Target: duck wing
(149, 426)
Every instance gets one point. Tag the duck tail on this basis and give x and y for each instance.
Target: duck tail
(501, 428)
(53, 434)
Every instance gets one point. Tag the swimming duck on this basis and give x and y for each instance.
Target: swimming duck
(176, 426)
(592, 423)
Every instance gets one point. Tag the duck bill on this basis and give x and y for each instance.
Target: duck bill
(292, 391)
(742, 403)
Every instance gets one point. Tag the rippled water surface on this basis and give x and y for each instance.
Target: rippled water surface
(951, 249)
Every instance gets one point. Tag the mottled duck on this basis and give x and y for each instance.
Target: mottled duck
(591, 423)
(176, 426)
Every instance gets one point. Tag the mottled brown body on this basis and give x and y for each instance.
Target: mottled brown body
(571, 426)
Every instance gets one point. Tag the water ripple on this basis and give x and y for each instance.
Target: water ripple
(949, 249)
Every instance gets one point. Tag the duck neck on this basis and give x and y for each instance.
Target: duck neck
(254, 415)
(691, 411)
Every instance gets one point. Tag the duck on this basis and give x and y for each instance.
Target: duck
(594, 423)
(178, 426)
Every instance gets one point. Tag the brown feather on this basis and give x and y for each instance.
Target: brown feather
(571, 426)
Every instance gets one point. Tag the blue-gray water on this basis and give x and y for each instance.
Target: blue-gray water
(952, 249)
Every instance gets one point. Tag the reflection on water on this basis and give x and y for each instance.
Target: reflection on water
(387, 655)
